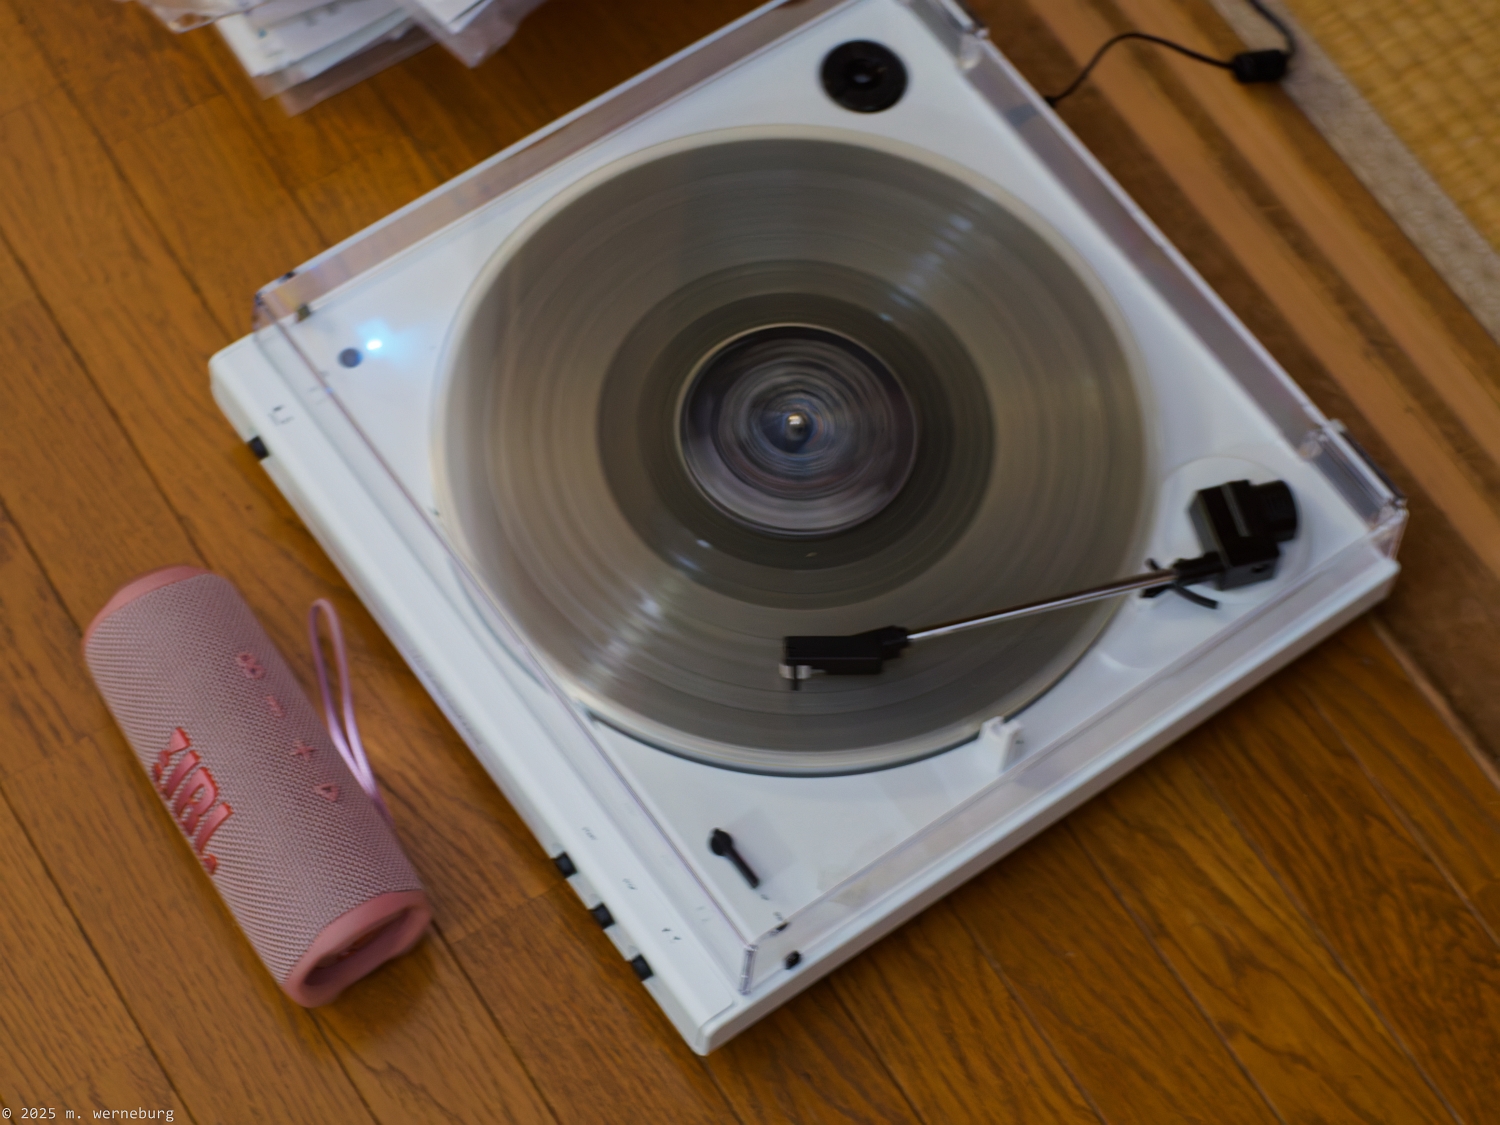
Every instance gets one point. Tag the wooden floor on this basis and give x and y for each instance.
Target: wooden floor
(1293, 915)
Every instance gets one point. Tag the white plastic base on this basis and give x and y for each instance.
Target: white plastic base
(842, 860)
(445, 642)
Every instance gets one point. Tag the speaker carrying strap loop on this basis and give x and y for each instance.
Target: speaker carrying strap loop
(345, 735)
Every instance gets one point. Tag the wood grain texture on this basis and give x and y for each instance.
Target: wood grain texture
(417, 1055)
(458, 117)
(1446, 799)
(415, 1038)
(955, 1037)
(138, 325)
(131, 1081)
(808, 1062)
(232, 216)
(1382, 905)
(49, 703)
(90, 491)
(348, 162)
(61, 1022)
(1294, 1020)
(1158, 960)
(207, 1007)
(1093, 984)
(592, 1038)
(24, 73)
(455, 1040)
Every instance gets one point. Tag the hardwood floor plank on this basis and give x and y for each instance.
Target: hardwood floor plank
(423, 1016)
(39, 649)
(207, 187)
(1297, 1023)
(24, 73)
(417, 1052)
(145, 339)
(562, 69)
(476, 855)
(223, 212)
(208, 1008)
(956, 1040)
(1127, 1031)
(61, 1020)
(456, 117)
(807, 1062)
(588, 1032)
(352, 141)
(56, 448)
(348, 160)
(1380, 903)
(106, 277)
(132, 1081)
(1450, 803)
(106, 470)
(120, 60)
(187, 975)
(366, 189)
(669, 32)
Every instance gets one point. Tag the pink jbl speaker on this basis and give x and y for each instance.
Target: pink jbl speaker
(281, 810)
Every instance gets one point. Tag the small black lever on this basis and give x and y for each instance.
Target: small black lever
(722, 843)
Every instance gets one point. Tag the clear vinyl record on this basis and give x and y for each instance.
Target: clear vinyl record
(757, 383)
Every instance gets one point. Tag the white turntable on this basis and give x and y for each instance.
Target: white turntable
(738, 861)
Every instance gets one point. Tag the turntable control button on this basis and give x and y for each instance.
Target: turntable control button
(722, 843)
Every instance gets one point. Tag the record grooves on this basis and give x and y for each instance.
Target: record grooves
(788, 384)
(802, 448)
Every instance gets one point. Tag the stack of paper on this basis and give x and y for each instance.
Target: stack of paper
(471, 29)
(302, 51)
(306, 50)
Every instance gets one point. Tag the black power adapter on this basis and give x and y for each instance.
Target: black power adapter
(1260, 66)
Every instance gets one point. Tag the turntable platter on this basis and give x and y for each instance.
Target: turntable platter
(754, 384)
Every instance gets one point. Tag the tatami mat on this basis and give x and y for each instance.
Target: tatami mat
(1431, 68)
(1409, 95)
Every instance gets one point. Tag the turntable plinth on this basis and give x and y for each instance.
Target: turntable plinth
(1215, 847)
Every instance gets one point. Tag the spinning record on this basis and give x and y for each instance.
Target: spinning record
(759, 383)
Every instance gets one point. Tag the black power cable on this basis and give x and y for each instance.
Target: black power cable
(1247, 66)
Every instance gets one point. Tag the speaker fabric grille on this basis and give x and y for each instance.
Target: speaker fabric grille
(303, 844)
